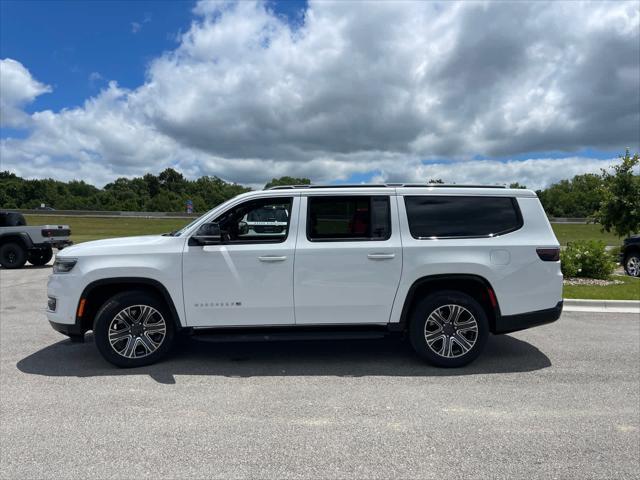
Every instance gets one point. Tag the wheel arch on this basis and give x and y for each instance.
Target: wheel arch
(20, 237)
(476, 286)
(99, 291)
(631, 249)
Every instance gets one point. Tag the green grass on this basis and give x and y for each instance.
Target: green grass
(570, 232)
(629, 291)
(84, 229)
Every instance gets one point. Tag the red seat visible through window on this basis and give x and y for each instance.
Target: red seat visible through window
(359, 222)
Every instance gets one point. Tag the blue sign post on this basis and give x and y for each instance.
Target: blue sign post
(189, 206)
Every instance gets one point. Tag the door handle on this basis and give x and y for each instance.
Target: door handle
(381, 256)
(271, 258)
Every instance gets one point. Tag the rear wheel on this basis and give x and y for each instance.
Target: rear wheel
(133, 329)
(449, 328)
(632, 264)
(12, 255)
(40, 256)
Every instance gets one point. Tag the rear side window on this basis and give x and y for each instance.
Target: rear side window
(446, 217)
(348, 218)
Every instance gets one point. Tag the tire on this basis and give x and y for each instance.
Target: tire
(124, 316)
(12, 255)
(40, 256)
(632, 264)
(451, 343)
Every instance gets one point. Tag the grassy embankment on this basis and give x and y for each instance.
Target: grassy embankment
(84, 229)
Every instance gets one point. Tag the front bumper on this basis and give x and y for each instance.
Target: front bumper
(522, 321)
(70, 330)
(65, 290)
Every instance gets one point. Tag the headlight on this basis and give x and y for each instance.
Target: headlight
(64, 265)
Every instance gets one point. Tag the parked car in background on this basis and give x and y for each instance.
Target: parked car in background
(445, 265)
(630, 255)
(267, 221)
(20, 243)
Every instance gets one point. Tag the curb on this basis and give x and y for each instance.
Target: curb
(609, 306)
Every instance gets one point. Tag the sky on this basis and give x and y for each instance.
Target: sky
(340, 92)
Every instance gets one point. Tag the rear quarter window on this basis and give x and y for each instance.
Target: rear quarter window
(457, 216)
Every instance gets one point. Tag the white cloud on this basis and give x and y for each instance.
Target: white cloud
(363, 87)
(17, 89)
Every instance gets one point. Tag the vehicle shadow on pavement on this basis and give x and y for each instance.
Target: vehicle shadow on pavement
(345, 358)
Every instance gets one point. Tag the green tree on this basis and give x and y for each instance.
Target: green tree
(579, 197)
(517, 185)
(436, 180)
(620, 207)
(287, 181)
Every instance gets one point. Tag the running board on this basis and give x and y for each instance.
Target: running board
(280, 334)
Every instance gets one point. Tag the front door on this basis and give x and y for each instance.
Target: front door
(248, 278)
(348, 259)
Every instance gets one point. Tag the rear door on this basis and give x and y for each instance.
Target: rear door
(348, 259)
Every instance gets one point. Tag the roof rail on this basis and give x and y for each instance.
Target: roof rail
(373, 185)
(359, 185)
(445, 185)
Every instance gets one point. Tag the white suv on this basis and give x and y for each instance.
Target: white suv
(447, 265)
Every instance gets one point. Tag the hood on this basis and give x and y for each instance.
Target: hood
(110, 246)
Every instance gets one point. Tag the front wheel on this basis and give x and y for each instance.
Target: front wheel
(40, 256)
(448, 328)
(632, 264)
(133, 329)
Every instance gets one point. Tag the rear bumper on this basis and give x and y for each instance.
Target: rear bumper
(522, 321)
(60, 244)
(52, 242)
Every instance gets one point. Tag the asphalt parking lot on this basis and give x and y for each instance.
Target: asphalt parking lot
(559, 401)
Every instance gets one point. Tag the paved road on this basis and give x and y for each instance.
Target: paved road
(560, 401)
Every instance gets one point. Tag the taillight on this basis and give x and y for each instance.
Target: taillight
(549, 254)
(55, 232)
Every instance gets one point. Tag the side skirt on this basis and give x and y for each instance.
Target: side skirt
(288, 333)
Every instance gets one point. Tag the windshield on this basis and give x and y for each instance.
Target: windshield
(177, 233)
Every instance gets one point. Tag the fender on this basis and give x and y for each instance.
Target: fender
(148, 282)
(441, 278)
(19, 236)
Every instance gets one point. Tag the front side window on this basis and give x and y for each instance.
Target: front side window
(455, 216)
(348, 218)
(263, 220)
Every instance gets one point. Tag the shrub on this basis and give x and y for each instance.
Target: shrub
(586, 258)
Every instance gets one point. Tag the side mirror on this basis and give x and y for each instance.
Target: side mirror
(207, 234)
(243, 228)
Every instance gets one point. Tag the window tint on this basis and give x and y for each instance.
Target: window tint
(348, 218)
(439, 216)
(264, 220)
